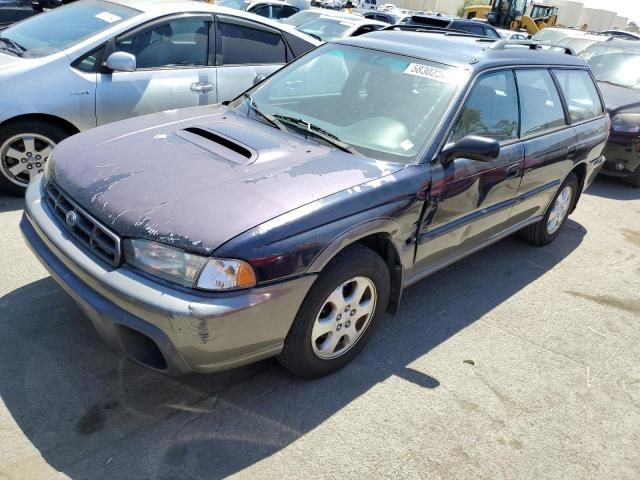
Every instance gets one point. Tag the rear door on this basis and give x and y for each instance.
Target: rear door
(474, 198)
(246, 49)
(549, 141)
(174, 69)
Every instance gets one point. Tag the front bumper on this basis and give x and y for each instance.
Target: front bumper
(623, 155)
(163, 328)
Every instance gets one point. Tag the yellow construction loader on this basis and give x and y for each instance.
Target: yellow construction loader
(512, 15)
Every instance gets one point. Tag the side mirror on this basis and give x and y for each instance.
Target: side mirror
(482, 149)
(121, 62)
(258, 79)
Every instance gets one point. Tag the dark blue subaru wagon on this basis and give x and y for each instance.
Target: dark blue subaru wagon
(286, 222)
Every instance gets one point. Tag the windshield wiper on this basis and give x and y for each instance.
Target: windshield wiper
(320, 133)
(267, 116)
(14, 47)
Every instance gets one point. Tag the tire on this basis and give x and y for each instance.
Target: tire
(15, 141)
(342, 279)
(539, 233)
(634, 178)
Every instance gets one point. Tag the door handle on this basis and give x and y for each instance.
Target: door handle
(201, 87)
(572, 151)
(513, 171)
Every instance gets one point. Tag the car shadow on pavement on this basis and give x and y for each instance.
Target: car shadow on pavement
(613, 189)
(92, 414)
(9, 204)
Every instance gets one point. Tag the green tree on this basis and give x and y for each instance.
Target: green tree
(633, 27)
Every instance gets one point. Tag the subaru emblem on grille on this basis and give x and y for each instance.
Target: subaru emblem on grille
(71, 218)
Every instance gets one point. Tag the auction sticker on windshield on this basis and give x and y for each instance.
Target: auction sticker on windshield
(108, 17)
(432, 73)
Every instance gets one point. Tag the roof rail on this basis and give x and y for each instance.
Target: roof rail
(532, 44)
(431, 29)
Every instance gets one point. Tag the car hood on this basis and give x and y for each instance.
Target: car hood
(196, 178)
(620, 99)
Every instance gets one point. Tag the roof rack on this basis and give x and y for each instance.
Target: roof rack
(431, 29)
(532, 44)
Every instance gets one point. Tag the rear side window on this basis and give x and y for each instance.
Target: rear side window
(287, 11)
(243, 45)
(491, 33)
(580, 94)
(491, 109)
(539, 102)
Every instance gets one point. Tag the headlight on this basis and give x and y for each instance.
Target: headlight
(187, 269)
(626, 122)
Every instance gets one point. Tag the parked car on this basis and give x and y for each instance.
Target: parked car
(392, 17)
(306, 15)
(105, 61)
(276, 9)
(305, 206)
(513, 35)
(474, 27)
(41, 5)
(329, 27)
(576, 40)
(621, 34)
(616, 66)
(368, 4)
(12, 11)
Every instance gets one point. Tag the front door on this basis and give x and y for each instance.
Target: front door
(473, 199)
(173, 70)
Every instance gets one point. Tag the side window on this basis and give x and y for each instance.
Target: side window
(243, 45)
(287, 11)
(262, 10)
(539, 101)
(88, 62)
(580, 94)
(180, 42)
(491, 33)
(491, 109)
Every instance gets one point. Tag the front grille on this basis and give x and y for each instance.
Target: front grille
(87, 230)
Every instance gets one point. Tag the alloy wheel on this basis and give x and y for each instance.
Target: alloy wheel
(560, 210)
(343, 318)
(23, 156)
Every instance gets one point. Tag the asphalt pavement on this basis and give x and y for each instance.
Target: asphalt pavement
(516, 363)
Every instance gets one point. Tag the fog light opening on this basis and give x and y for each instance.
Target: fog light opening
(141, 348)
(619, 165)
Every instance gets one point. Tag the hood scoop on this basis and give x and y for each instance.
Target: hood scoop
(219, 144)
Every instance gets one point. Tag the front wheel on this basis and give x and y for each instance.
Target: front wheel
(24, 149)
(546, 230)
(338, 315)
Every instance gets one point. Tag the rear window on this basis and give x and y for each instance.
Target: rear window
(243, 45)
(580, 93)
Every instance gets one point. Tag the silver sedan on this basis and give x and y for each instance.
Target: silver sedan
(95, 62)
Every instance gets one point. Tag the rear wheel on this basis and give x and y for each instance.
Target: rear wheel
(546, 230)
(338, 315)
(24, 149)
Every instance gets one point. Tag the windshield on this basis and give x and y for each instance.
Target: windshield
(549, 35)
(300, 17)
(614, 64)
(578, 44)
(384, 106)
(236, 4)
(326, 28)
(51, 32)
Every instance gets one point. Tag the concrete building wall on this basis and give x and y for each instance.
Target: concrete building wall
(444, 6)
(597, 19)
(620, 23)
(569, 12)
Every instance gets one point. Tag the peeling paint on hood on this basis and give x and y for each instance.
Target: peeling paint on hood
(143, 180)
